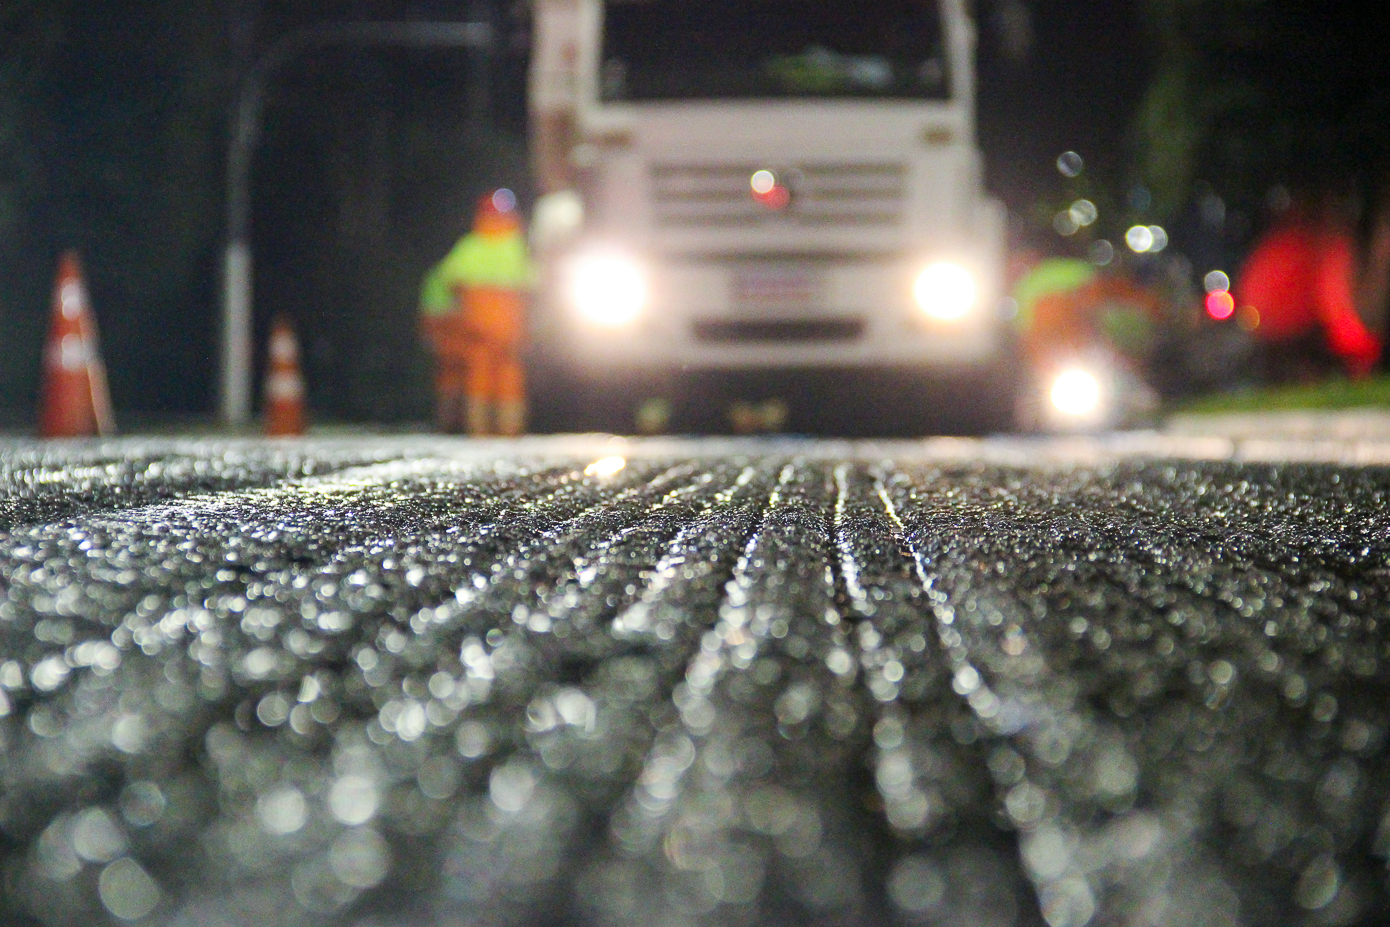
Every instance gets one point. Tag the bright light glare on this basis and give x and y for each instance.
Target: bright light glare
(1076, 393)
(606, 467)
(1160, 238)
(608, 289)
(763, 182)
(945, 291)
(1140, 239)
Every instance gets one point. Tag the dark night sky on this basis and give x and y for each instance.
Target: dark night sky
(1076, 90)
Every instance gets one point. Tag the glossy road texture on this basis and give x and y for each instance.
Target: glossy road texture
(584, 683)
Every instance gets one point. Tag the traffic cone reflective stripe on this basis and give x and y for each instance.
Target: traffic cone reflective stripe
(284, 384)
(284, 387)
(74, 400)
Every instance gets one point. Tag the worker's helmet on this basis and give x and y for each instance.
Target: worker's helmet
(497, 213)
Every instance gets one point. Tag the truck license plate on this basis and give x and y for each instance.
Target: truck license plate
(776, 289)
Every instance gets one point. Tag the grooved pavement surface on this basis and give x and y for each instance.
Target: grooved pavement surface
(575, 681)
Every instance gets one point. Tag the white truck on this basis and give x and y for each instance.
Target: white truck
(765, 196)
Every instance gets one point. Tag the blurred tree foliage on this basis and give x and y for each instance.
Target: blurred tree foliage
(1054, 77)
(1250, 94)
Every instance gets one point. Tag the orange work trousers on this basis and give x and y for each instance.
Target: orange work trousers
(478, 352)
(483, 371)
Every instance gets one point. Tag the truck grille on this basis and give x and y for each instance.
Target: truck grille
(726, 331)
(833, 195)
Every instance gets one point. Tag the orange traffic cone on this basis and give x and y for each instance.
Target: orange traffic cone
(284, 384)
(74, 401)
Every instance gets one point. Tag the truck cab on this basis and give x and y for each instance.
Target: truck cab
(775, 187)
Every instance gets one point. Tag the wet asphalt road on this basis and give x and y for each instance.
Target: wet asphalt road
(577, 682)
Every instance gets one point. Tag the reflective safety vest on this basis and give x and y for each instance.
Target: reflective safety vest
(492, 261)
(436, 296)
(1065, 306)
(1051, 276)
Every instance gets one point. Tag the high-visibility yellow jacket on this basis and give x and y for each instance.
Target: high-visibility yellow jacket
(1065, 306)
(478, 261)
(1050, 276)
(436, 296)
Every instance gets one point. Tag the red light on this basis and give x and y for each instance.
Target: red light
(1220, 305)
(777, 197)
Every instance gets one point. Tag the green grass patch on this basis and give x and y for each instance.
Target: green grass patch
(1331, 394)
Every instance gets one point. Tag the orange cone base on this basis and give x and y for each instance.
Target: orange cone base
(285, 412)
(73, 402)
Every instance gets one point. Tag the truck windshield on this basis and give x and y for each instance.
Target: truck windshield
(657, 50)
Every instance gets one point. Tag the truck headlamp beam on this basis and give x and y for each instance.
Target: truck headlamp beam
(607, 288)
(1077, 394)
(946, 292)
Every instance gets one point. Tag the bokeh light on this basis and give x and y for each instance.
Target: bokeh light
(1220, 305)
(1216, 281)
(1140, 239)
(1084, 213)
(1101, 253)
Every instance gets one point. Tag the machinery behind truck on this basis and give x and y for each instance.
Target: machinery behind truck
(752, 196)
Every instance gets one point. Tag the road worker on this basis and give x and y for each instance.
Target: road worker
(1045, 295)
(473, 305)
(1297, 292)
(1067, 307)
(1081, 325)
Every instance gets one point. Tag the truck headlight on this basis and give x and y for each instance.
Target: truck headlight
(1076, 394)
(608, 288)
(946, 291)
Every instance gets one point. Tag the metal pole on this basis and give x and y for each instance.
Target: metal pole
(237, 270)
